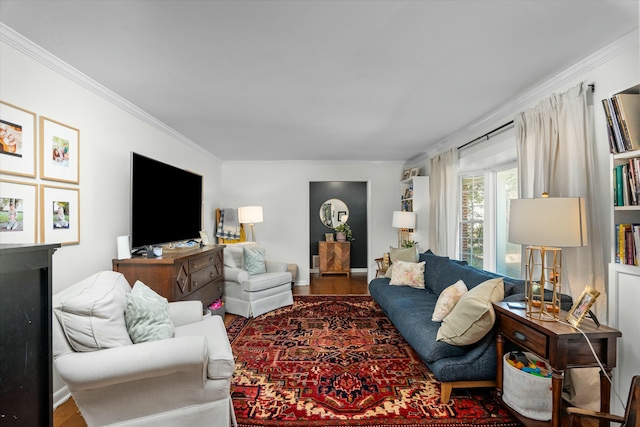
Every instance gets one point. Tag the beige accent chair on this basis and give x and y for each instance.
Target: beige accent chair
(184, 380)
(252, 295)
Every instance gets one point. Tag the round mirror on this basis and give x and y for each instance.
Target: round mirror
(334, 212)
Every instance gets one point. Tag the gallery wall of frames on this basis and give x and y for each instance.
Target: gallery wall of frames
(40, 183)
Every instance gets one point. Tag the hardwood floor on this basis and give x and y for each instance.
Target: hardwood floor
(68, 415)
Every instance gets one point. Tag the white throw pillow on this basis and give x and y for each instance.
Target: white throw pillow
(91, 312)
(473, 316)
(147, 315)
(408, 274)
(447, 300)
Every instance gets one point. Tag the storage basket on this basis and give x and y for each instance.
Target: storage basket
(527, 394)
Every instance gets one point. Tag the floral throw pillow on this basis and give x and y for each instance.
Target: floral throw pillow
(408, 274)
(448, 299)
(253, 260)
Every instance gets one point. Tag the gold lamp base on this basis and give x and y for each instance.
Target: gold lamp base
(546, 262)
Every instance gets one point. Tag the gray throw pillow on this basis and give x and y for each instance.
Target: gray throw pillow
(147, 315)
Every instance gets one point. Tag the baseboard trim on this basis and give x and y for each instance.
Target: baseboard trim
(60, 397)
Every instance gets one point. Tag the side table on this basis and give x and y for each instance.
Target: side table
(562, 346)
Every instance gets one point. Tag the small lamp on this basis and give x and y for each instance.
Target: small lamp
(546, 224)
(250, 215)
(403, 221)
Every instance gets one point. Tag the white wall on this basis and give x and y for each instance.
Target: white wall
(107, 136)
(282, 189)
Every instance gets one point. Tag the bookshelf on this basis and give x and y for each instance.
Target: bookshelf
(624, 278)
(414, 197)
(624, 145)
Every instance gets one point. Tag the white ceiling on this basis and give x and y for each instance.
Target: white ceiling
(320, 80)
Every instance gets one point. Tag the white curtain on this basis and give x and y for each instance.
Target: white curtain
(443, 208)
(554, 141)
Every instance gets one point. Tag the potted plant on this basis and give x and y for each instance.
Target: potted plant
(409, 244)
(343, 232)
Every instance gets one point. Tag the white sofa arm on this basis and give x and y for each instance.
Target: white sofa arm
(185, 312)
(132, 362)
(232, 274)
(276, 266)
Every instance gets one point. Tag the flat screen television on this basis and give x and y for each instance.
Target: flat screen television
(166, 203)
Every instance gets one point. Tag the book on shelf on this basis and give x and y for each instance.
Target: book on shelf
(626, 183)
(627, 244)
(622, 112)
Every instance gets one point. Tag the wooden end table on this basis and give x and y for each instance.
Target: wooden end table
(562, 346)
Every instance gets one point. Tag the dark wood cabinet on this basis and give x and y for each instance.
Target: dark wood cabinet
(186, 274)
(334, 257)
(26, 388)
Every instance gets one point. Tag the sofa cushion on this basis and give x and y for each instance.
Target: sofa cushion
(441, 272)
(253, 260)
(401, 254)
(447, 300)
(408, 274)
(473, 316)
(91, 312)
(147, 315)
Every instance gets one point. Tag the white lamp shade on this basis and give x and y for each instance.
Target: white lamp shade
(403, 219)
(548, 221)
(250, 214)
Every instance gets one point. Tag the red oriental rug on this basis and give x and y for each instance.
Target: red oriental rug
(338, 361)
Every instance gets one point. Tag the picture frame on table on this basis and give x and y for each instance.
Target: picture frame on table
(17, 141)
(59, 215)
(582, 306)
(59, 151)
(18, 212)
(204, 237)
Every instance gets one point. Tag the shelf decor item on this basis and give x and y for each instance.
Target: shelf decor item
(18, 140)
(59, 151)
(546, 224)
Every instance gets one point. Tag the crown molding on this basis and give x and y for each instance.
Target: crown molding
(624, 43)
(37, 53)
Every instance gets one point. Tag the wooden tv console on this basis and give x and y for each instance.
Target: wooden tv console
(179, 274)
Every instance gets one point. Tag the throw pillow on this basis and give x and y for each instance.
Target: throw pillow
(401, 254)
(253, 260)
(447, 300)
(147, 315)
(473, 316)
(233, 254)
(408, 274)
(91, 312)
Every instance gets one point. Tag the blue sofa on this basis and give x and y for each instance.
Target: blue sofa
(410, 310)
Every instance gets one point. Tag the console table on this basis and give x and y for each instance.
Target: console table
(26, 396)
(561, 345)
(179, 274)
(334, 257)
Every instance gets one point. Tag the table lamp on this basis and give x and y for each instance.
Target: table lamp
(403, 221)
(546, 224)
(250, 215)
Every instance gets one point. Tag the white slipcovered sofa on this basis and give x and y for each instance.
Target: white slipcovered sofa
(250, 294)
(181, 380)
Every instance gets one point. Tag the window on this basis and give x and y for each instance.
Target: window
(484, 223)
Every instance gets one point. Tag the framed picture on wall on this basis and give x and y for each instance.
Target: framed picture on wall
(60, 215)
(18, 212)
(17, 141)
(59, 151)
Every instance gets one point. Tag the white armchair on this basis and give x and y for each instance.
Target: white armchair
(251, 295)
(184, 380)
